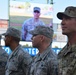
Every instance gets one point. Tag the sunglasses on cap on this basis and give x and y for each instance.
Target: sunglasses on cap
(36, 12)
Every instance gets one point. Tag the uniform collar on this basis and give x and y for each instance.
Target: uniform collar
(45, 53)
(67, 49)
(15, 51)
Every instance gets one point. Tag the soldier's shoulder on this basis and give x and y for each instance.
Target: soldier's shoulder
(30, 19)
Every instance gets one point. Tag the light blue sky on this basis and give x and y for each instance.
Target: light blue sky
(59, 5)
(4, 9)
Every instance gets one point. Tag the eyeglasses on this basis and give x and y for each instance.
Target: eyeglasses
(36, 12)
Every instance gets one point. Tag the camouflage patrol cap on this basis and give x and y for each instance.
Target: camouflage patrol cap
(70, 11)
(13, 32)
(37, 9)
(42, 30)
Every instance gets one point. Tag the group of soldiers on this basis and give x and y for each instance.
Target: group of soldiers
(46, 62)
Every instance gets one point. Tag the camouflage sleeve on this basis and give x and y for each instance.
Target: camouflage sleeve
(71, 69)
(49, 67)
(42, 23)
(3, 61)
(24, 31)
(2, 68)
(27, 59)
(53, 67)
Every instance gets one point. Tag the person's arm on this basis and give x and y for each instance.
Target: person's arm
(26, 64)
(24, 31)
(71, 69)
(42, 23)
(52, 66)
(3, 60)
(48, 67)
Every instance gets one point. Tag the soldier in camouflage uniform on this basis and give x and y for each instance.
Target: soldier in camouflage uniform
(3, 59)
(19, 60)
(30, 24)
(45, 62)
(67, 56)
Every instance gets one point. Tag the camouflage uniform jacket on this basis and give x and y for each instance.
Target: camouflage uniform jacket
(29, 25)
(18, 62)
(67, 60)
(3, 60)
(44, 64)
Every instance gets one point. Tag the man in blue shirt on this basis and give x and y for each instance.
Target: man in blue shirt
(31, 23)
